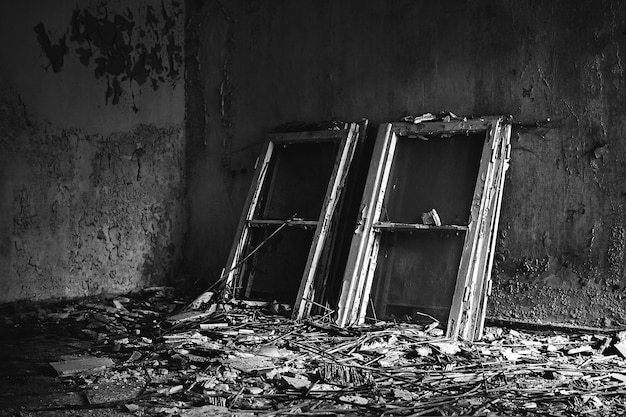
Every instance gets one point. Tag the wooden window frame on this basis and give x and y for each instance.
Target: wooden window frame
(473, 282)
(346, 139)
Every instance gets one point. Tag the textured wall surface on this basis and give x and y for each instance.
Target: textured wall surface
(561, 254)
(91, 147)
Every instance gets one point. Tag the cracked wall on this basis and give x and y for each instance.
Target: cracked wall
(253, 65)
(91, 150)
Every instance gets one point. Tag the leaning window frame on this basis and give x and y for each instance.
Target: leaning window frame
(347, 140)
(472, 283)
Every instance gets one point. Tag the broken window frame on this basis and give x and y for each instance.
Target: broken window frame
(473, 283)
(346, 139)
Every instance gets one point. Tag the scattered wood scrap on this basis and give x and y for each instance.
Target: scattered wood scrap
(262, 364)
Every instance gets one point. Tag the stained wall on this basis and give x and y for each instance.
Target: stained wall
(92, 143)
(252, 65)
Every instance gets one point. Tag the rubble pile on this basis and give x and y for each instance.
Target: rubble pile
(150, 356)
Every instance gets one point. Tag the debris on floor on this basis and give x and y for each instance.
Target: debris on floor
(242, 360)
(81, 366)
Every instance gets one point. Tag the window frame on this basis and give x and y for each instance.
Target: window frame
(473, 282)
(346, 138)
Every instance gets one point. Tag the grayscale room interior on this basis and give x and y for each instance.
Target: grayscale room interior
(312, 208)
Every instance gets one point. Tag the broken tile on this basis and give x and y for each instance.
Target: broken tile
(580, 349)
(354, 399)
(621, 348)
(446, 347)
(251, 364)
(298, 382)
(204, 298)
(84, 365)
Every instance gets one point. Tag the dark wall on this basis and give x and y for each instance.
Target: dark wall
(252, 65)
(91, 147)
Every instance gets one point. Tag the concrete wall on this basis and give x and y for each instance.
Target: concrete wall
(91, 146)
(562, 251)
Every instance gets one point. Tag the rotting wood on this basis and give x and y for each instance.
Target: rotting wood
(464, 127)
(372, 256)
(241, 236)
(252, 218)
(487, 284)
(468, 313)
(471, 312)
(335, 186)
(292, 222)
(358, 247)
(461, 301)
(417, 226)
(484, 290)
(472, 282)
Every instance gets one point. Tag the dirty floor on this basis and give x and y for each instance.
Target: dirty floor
(145, 354)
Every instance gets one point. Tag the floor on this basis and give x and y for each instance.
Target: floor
(248, 359)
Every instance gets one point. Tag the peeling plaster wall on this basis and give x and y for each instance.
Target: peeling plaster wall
(252, 65)
(91, 147)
